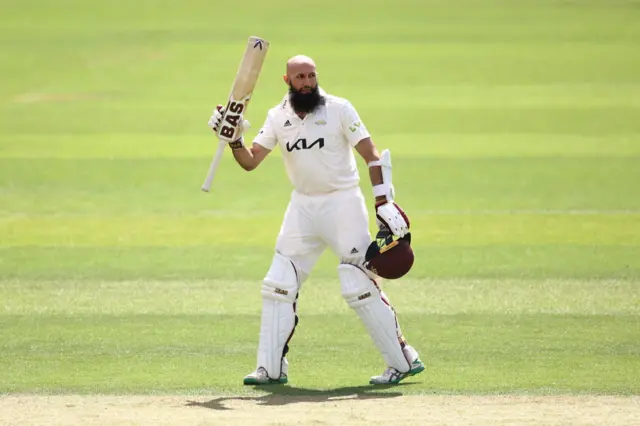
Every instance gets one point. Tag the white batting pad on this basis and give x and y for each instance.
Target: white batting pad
(279, 291)
(366, 300)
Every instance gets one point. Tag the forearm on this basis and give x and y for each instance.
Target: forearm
(375, 175)
(367, 149)
(380, 176)
(388, 213)
(244, 156)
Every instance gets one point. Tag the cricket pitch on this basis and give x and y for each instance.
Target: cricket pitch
(312, 410)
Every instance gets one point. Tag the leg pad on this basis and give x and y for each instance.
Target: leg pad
(279, 319)
(374, 310)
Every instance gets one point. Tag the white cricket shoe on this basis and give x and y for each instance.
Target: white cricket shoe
(260, 376)
(393, 376)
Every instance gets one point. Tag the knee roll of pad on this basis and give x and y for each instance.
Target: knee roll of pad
(357, 288)
(281, 281)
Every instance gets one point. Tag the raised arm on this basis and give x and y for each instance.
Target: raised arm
(247, 157)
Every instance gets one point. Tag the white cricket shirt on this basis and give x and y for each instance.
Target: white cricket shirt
(317, 150)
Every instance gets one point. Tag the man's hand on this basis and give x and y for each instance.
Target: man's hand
(216, 119)
(391, 216)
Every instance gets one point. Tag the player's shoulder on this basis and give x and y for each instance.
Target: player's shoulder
(336, 102)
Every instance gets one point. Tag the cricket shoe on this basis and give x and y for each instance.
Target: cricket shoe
(393, 376)
(260, 376)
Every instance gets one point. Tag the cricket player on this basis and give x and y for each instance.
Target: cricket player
(316, 132)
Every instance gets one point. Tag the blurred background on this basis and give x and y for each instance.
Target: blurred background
(513, 127)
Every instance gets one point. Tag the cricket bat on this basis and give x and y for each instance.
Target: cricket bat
(241, 91)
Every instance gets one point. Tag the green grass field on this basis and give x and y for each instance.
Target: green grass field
(515, 132)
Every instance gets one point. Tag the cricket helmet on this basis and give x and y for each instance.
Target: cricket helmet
(388, 256)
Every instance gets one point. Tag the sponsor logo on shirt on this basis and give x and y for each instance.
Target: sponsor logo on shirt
(302, 144)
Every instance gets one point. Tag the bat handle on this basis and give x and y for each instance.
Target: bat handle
(213, 167)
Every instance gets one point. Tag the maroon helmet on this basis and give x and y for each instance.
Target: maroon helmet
(388, 256)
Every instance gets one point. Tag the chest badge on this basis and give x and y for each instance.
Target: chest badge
(321, 122)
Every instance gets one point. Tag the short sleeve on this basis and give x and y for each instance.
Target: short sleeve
(352, 126)
(267, 136)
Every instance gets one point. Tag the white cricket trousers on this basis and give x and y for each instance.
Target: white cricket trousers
(338, 220)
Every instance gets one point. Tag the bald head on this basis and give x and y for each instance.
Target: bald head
(298, 61)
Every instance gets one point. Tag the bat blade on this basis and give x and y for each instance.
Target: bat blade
(241, 91)
(249, 69)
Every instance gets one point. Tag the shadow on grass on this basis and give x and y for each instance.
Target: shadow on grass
(283, 394)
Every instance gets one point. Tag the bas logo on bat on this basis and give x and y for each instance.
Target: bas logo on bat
(231, 119)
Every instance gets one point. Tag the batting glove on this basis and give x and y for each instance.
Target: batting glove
(216, 119)
(392, 217)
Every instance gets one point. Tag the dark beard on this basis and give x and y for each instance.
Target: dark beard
(305, 102)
